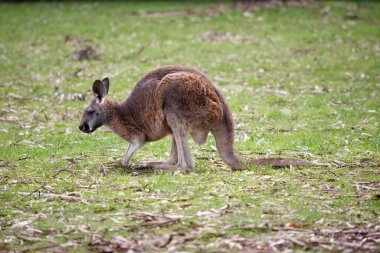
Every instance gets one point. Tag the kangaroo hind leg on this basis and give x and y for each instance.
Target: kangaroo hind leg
(184, 157)
(173, 158)
(171, 163)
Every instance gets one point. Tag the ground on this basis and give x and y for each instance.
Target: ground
(302, 82)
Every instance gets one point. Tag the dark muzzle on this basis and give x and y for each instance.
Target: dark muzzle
(85, 128)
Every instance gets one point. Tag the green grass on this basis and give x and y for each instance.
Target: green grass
(301, 83)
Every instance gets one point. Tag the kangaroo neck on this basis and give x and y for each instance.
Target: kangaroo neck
(120, 121)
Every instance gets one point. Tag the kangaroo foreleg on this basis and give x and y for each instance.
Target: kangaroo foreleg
(132, 148)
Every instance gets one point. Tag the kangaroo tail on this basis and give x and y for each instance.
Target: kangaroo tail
(224, 137)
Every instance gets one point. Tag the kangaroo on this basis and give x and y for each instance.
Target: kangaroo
(171, 100)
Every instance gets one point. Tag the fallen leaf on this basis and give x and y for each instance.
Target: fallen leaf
(365, 197)
(186, 196)
(225, 36)
(318, 89)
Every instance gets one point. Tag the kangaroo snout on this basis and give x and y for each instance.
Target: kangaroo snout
(85, 128)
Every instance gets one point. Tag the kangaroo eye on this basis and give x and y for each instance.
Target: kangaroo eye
(97, 114)
(90, 112)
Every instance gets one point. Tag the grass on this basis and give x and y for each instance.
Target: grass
(301, 83)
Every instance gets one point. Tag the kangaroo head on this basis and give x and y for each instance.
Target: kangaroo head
(94, 115)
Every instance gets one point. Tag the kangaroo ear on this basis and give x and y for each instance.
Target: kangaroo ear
(99, 90)
(106, 83)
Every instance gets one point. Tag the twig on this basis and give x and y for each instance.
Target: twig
(34, 192)
(166, 242)
(43, 248)
(55, 196)
(152, 224)
(28, 239)
(160, 224)
(43, 185)
(62, 170)
(297, 242)
(139, 50)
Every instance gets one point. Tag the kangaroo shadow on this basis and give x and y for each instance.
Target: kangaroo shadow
(149, 168)
(137, 169)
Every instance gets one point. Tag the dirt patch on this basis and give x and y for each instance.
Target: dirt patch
(86, 53)
(85, 50)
